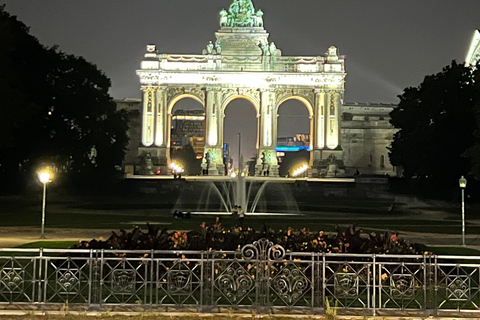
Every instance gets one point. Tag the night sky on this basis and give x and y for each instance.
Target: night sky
(389, 44)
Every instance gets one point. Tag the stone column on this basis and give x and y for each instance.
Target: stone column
(213, 133)
(153, 152)
(146, 152)
(267, 155)
(148, 127)
(319, 130)
(162, 128)
(161, 120)
(333, 132)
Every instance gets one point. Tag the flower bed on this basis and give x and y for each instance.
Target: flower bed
(215, 237)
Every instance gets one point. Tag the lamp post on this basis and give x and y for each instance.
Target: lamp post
(44, 178)
(463, 183)
(241, 200)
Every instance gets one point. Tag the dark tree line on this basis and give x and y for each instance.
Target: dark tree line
(55, 110)
(438, 124)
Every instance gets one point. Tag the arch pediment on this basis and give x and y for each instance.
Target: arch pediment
(251, 94)
(307, 96)
(174, 94)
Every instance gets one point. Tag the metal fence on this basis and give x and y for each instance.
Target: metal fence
(260, 277)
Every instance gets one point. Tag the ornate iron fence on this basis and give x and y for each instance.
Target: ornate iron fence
(260, 277)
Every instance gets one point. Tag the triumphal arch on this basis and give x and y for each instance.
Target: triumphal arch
(242, 63)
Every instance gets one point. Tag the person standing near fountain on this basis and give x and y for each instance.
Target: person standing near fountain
(235, 211)
(241, 216)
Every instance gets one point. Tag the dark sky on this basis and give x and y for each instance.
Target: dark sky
(389, 44)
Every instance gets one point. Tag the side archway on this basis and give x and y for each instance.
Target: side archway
(191, 120)
(298, 139)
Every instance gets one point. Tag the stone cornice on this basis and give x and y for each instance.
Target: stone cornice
(242, 79)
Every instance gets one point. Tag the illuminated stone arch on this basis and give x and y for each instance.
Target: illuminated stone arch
(242, 62)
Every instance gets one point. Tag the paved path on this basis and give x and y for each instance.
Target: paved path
(11, 237)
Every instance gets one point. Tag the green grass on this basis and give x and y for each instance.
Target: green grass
(49, 244)
(460, 251)
(58, 217)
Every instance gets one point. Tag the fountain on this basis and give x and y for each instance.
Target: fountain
(255, 195)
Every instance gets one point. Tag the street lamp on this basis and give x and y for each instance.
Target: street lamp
(44, 178)
(463, 183)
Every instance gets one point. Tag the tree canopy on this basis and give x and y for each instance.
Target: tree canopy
(436, 123)
(55, 110)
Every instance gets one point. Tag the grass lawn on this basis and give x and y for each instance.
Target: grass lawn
(118, 216)
(459, 251)
(49, 244)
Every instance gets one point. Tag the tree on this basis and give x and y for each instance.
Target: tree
(55, 110)
(436, 122)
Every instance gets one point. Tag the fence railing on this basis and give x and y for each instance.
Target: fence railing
(260, 277)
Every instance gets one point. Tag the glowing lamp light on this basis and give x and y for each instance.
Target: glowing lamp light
(176, 168)
(462, 182)
(44, 177)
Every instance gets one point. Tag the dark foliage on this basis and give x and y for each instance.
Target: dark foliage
(215, 237)
(436, 123)
(55, 111)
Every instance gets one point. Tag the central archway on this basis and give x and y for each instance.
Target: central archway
(240, 107)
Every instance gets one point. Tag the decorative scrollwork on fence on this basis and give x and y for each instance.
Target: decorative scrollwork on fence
(458, 287)
(263, 249)
(235, 283)
(68, 281)
(12, 280)
(179, 281)
(402, 286)
(346, 285)
(123, 281)
(290, 284)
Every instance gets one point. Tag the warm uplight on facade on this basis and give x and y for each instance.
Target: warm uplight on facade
(300, 170)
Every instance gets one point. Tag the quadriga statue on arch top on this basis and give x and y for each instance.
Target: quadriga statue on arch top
(244, 63)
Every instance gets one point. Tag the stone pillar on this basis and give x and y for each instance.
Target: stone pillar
(333, 132)
(153, 153)
(327, 133)
(213, 133)
(319, 130)
(162, 128)
(148, 127)
(161, 124)
(148, 131)
(267, 156)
